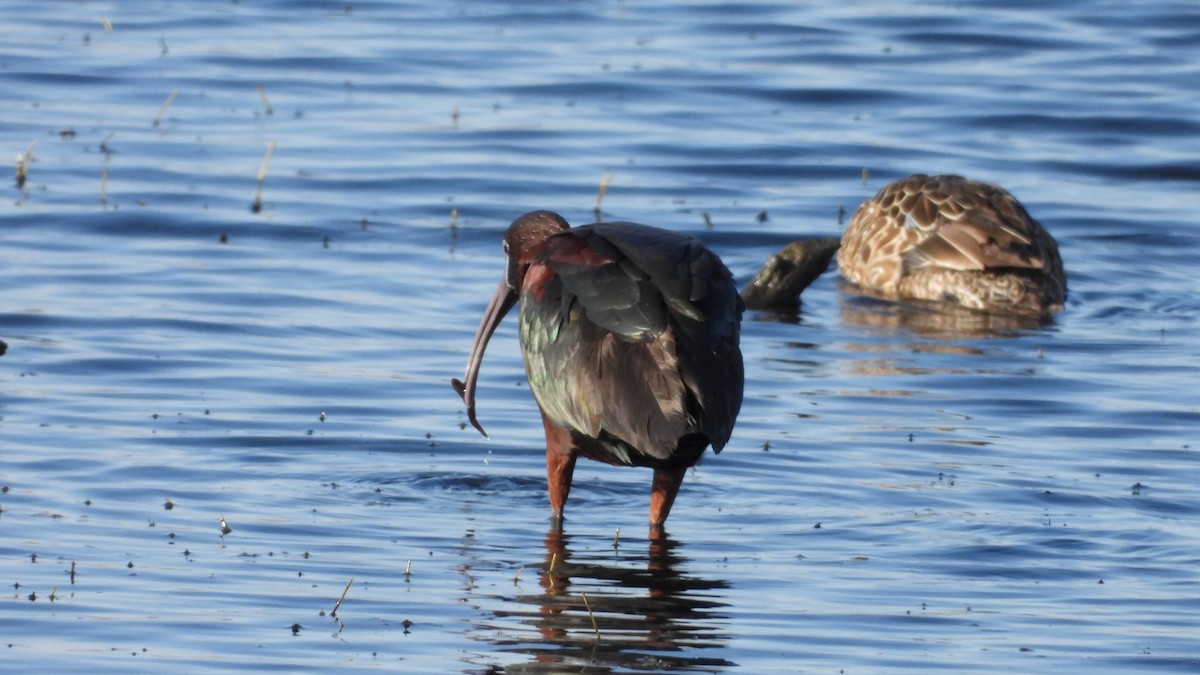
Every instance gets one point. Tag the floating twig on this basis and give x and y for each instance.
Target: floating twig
(163, 110)
(591, 616)
(262, 93)
(553, 563)
(866, 173)
(518, 575)
(225, 528)
(107, 23)
(708, 223)
(617, 539)
(23, 161)
(339, 602)
(256, 206)
(262, 169)
(104, 202)
(600, 193)
(408, 572)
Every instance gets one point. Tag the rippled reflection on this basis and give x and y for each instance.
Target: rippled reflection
(649, 615)
(936, 320)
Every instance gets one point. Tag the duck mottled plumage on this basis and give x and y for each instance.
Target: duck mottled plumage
(949, 239)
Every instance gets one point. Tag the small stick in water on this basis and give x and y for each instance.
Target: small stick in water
(600, 194)
(104, 202)
(163, 110)
(256, 206)
(262, 93)
(617, 539)
(339, 602)
(408, 572)
(590, 614)
(23, 161)
(518, 575)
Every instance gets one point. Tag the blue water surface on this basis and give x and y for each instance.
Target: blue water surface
(218, 422)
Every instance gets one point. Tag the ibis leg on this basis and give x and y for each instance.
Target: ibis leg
(662, 495)
(560, 465)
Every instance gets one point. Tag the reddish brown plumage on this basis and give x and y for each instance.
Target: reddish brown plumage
(630, 339)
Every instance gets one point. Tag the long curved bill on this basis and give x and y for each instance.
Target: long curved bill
(502, 301)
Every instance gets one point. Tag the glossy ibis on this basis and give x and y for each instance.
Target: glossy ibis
(946, 238)
(630, 339)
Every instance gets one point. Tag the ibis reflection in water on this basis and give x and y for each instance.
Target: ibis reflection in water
(630, 339)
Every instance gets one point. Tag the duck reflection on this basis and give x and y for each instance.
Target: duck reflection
(636, 612)
(929, 319)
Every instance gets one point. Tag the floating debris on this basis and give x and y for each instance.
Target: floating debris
(262, 93)
(256, 205)
(591, 616)
(343, 597)
(163, 110)
(604, 180)
(23, 161)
